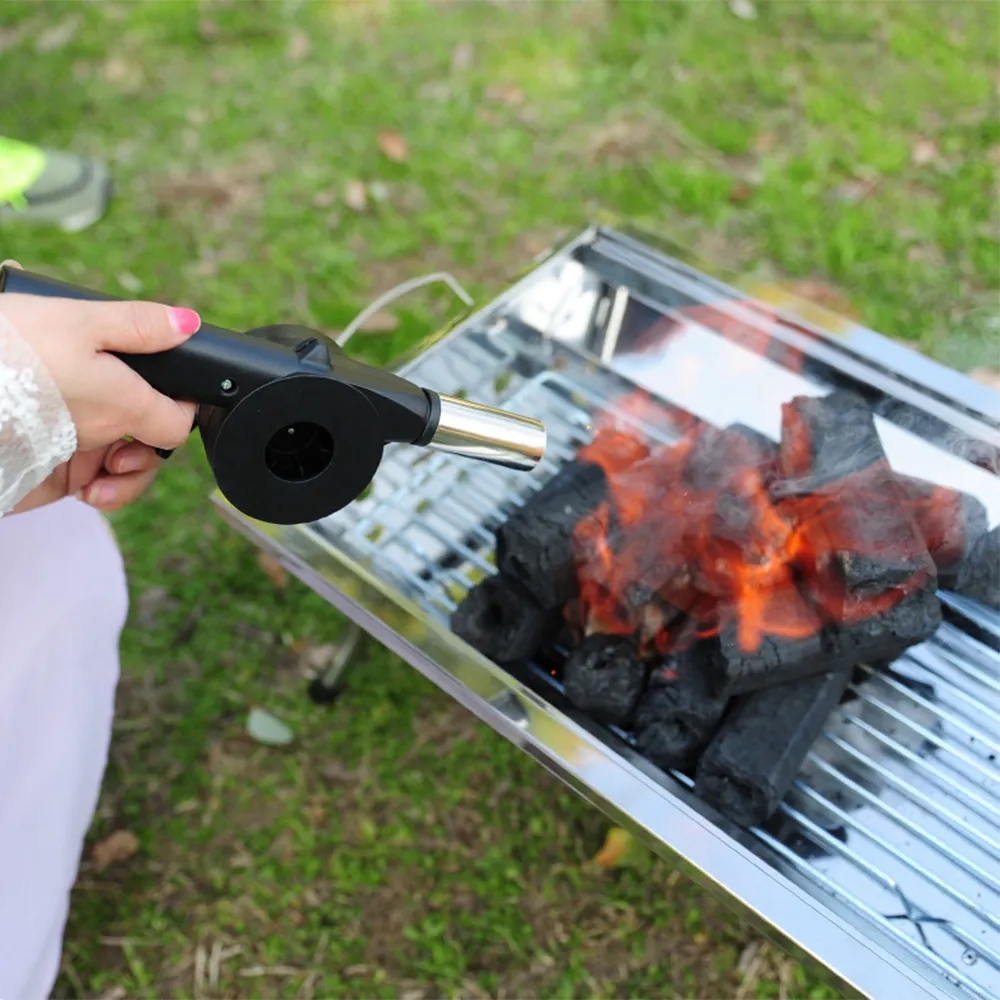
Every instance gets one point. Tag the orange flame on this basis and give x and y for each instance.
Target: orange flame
(668, 563)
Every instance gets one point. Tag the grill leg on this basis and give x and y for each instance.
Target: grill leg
(326, 687)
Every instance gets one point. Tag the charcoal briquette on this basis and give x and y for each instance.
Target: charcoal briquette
(979, 577)
(950, 522)
(751, 762)
(776, 660)
(534, 545)
(504, 623)
(826, 438)
(677, 713)
(886, 635)
(716, 454)
(766, 448)
(604, 677)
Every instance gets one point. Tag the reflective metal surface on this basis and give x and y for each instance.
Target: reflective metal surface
(884, 861)
(489, 434)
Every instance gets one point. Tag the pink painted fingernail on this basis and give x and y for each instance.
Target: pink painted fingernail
(184, 321)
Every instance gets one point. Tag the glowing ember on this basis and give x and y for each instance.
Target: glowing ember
(721, 531)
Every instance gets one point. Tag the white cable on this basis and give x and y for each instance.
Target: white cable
(399, 290)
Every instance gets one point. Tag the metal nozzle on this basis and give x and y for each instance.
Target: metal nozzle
(488, 434)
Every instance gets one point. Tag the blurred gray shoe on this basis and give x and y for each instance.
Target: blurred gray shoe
(60, 189)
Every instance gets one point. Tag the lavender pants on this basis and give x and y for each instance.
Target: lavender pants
(63, 602)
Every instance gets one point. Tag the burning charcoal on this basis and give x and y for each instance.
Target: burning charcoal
(534, 546)
(753, 759)
(826, 438)
(858, 547)
(646, 613)
(604, 677)
(503, 622)
(677, 714)
(715, 455)
(766, 448)
(950, 522)
(887, 634)
(979, 577)
(775, 660)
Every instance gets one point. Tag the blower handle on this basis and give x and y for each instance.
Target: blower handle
(213, 367)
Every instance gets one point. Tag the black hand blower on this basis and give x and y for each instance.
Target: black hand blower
(294, 429)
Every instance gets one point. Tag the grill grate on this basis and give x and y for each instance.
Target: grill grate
(896, 811)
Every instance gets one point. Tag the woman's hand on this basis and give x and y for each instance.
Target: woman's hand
(105, 478)
(106, 399)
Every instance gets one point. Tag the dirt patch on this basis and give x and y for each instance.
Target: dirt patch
(384, 915)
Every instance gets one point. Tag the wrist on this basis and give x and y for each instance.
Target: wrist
(37, 433)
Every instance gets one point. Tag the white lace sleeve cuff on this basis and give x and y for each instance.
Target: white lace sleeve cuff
(37, 433)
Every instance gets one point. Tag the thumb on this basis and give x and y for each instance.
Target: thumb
(138, 327)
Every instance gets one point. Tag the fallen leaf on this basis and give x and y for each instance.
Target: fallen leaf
(856, 189)
(58, 36)
(743, 9)
(986, 376)
(380, 322)
(619, 845)
(356, 196)
(393, 145)
(120, 846)
(117, 70)
(435, 90)
(283, 846)
(505, 93)
(206, 269)
(298, 46)
(740, 192)
(265, 728)
(273, 569)
(925, 253)
(461, 57)
(621, 141)
(924, 151)
(764, 142)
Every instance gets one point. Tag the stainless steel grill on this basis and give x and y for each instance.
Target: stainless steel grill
(884, 860)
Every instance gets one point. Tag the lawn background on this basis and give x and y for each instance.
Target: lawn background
(398, 848)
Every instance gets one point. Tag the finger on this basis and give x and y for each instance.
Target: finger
(151, 417)
(137, 327)
(12, 263)
(110, 493)
(130, 456)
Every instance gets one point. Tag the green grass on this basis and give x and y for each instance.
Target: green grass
(398, 848)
